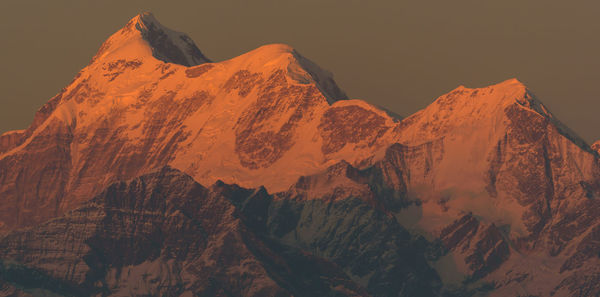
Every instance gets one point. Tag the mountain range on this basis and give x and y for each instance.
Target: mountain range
(157, 172)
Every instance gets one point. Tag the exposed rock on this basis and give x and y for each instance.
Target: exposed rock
(340, 216)
(162, 234)
(483, 248)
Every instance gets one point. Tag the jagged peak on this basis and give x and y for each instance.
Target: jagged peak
(145, 19)
(144, 35)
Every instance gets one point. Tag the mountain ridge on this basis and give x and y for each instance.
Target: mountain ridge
(474, 184)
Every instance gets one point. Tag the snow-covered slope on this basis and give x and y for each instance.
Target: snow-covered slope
(263, 118)
(496, 146)
(494, 170)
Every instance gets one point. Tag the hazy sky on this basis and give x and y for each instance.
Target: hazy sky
(398, 54)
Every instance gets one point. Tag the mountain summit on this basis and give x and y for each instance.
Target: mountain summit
(157, 172)
(144, 35)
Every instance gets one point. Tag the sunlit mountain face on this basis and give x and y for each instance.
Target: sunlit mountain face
(157, 172)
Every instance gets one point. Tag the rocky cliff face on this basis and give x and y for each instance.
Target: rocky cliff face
(162, 234)
(482, 192)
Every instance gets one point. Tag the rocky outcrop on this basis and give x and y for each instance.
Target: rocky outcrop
(482, 247)
(11, 140)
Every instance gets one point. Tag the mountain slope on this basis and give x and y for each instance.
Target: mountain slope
(164, 234)
(495, 159)
(161, 234)
(263, 118)
(501, 145)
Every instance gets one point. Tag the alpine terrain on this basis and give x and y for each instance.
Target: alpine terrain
(157, 172)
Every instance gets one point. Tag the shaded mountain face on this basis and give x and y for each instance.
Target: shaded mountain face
(163, 234)
(312, 192)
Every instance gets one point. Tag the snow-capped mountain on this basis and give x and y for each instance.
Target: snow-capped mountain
(510, 190)
(159, 172)
(263, 118)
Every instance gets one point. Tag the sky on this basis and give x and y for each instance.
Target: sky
(397, 54)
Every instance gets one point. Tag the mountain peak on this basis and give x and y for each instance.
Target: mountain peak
(477, 107)
(511, 82)
(275, 48)
(502, 89)
(490, 99)
(484, 101)
(505, 84)
(145, 19)
(145, 35)
(298, 68)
